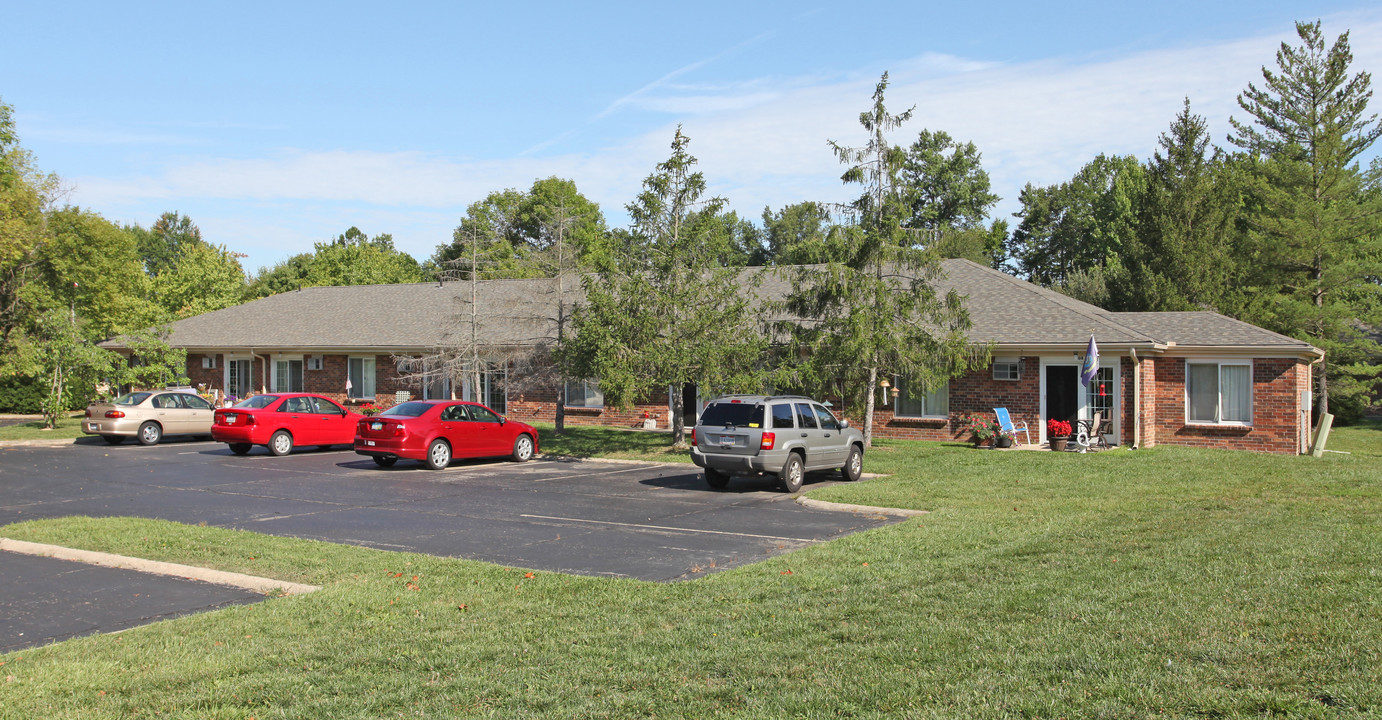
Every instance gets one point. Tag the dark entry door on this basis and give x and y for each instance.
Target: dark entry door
(1062, 385)
(688, 404)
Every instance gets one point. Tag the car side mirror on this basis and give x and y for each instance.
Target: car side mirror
(503, 420)
(844, 424)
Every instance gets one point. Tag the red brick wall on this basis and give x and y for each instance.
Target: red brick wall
(1276, 387)
(974, 393)
(1277, 384)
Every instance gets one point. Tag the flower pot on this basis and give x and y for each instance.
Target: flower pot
(1003, 441)
(1058, 444)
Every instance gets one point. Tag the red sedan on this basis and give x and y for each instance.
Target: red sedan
(435, 431)
(283, 420)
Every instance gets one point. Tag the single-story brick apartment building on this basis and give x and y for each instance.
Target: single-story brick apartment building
(1176, 378)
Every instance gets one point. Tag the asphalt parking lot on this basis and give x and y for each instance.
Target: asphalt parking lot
(645, 521)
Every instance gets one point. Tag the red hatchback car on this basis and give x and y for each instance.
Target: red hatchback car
(435, 431)
(281, 421)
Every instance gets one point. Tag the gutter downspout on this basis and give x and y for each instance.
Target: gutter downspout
(1136, 400)
(1307, 411)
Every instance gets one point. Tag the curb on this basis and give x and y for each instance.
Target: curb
(846, 507)
(217, 577)
(55, 442)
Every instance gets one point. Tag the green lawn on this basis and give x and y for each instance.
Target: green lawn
(585, 441)
(68, 427)
(1165, 582)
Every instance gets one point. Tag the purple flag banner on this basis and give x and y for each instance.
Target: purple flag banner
(1090, 367)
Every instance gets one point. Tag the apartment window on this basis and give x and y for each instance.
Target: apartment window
(1218, 392)
(920, 403)
(288, 376)
(584, 394)
(361, 371)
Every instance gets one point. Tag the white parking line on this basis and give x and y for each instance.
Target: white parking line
(673, 529)
(593, 474)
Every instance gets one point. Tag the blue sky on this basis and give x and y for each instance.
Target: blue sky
(277, 125)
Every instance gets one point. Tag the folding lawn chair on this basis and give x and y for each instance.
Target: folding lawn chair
(1005, 422)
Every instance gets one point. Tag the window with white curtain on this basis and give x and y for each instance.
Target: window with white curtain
(1218, 392)
(920, 402)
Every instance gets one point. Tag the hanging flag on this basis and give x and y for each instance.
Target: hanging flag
(1090, 368)
(348, 385)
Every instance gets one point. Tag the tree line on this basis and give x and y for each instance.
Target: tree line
(1281, 231)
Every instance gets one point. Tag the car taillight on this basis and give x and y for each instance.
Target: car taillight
(398, 430)
(769, 439)
(88, 412)
(115, 413)
(693, 437)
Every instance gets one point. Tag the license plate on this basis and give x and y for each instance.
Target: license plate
(727, 440)
(369, 443)
(93, 426)
(376, 426)
(230, 419)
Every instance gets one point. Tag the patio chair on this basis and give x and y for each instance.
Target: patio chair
(1005, 422)
(1090, 433)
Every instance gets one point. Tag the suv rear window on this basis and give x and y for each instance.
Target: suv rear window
(733, 415)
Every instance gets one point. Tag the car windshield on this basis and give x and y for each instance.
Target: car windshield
(133, 398)
(257, 402)
(733, 415)
(408, 409)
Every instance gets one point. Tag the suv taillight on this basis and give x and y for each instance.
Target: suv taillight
(693, 437)
(115, 413)
(769, 439)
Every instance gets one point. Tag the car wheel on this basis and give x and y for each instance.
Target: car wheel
(385, 460)
(150, 433)
(523, 448)
(113, 439)
(854, 464)
(281, 443)
(793, 472)
(240, 448)
(716, 479)
(438, 455)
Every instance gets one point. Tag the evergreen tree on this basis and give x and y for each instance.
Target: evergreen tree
(661, 311)
(1314, 221)
(1183, 254)
(874, 312)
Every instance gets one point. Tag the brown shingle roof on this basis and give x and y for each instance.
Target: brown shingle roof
(1003, 309)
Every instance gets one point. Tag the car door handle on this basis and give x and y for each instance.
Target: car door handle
(803, 434)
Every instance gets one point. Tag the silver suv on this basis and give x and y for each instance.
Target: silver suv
(784, 435)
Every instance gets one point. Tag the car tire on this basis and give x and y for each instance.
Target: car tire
(792, 475)
(385, 460)
(716, 479)
(438, 454)
(281, 443)
(854, 464)
(240, 448)
(113, 439)
(150, 433)
(523, 448)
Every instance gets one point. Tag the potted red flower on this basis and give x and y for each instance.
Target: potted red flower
(1058, 432)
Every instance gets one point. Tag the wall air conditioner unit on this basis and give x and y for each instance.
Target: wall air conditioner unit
(209, 362)
(314, 362)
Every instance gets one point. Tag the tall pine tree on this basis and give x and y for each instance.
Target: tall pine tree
(1314, 224)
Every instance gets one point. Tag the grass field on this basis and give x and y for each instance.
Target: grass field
(69, 426)
(1165, 582)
